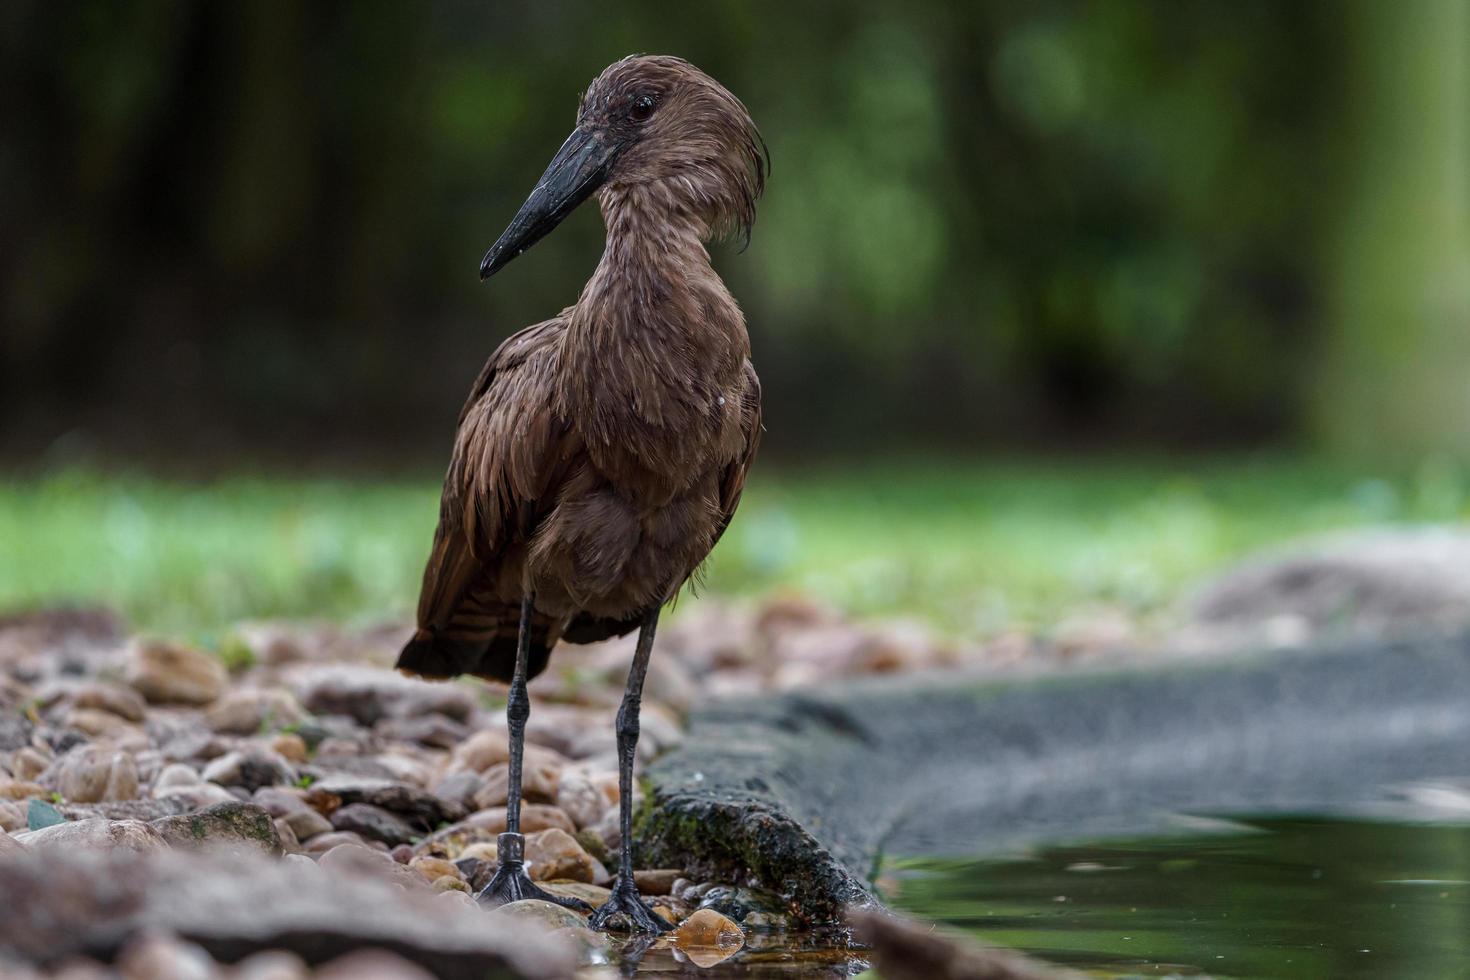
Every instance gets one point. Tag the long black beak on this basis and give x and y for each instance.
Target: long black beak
(578, 169)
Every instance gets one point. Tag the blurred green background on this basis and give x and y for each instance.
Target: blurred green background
(1053, 302)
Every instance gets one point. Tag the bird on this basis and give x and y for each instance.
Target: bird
(602, 453)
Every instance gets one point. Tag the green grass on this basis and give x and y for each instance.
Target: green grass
(972, 547)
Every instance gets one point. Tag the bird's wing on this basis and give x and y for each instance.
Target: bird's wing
(509, 447)
(732, 484)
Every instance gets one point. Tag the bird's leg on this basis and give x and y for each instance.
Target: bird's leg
(624, 899)
(511, 883)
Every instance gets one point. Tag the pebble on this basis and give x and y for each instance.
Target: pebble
(20, 789)
(134, 835)
(27, 763)
(554, 853)
(374, 822)
(234, 824)
(579, 799)
(273, 964)
(251, 711)
(659, 881)
(548, 914)
(708, 928)
(93, 773)
(156, 957)
(251, 768)
(357, 859)
(371, 964)
(433, 868)
(291, 747)
(166, 673)
(538, 784)
(306, 823)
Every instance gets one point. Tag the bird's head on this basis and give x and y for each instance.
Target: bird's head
(656, 122)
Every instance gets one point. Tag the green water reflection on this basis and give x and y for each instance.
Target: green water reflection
(1278, 898)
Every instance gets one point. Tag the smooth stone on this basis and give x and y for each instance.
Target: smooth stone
(554, 853)
(133, 835)
(19, 789)
(322, 843)
(251, 768)
(360, 860)
(547, 914)
(307, 823)
(420, 806)
(371, 964)
(448, 883)
(538, 784)
(199, 796)
(483, 827)
(154, 957)
(273, 964)
(709, 929)
(433, 868)
(579, 799)
(93, 773)
(280, 800)
(490, 747)
(166, 673)
(12, 816)
(9, 845)
(26, 763)
(224, 823)
(433, 730)
(123, 702)
(374, 822)
(594, 895)
(291, 747)
(656, 881)
(459, 788)
(369, 695)
(250, 712)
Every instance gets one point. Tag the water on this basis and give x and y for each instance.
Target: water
(1298, 898)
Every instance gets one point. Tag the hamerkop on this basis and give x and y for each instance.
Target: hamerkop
(601, 454)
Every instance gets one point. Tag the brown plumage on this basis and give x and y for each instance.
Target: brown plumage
(602, 453)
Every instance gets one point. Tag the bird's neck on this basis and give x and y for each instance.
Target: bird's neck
(655, 337)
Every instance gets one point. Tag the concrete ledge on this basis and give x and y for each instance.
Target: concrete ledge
(804, 793)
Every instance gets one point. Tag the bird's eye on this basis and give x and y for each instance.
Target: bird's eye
(642, 108)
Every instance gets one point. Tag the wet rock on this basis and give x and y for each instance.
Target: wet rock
(246, 712)
(91, 773)
(555, 853)
(594, 895)
(538, 784)
(222, 824)
(656, 881)
(251, 768)
(706, 927)
(229, 904)
(739, 903)
(132, 835)
(908, 950)
(166, 673)
(369, 696)
(374, 822)
(548, 915)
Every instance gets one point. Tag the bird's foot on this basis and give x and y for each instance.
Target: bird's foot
(626, 901)
(512, 884)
